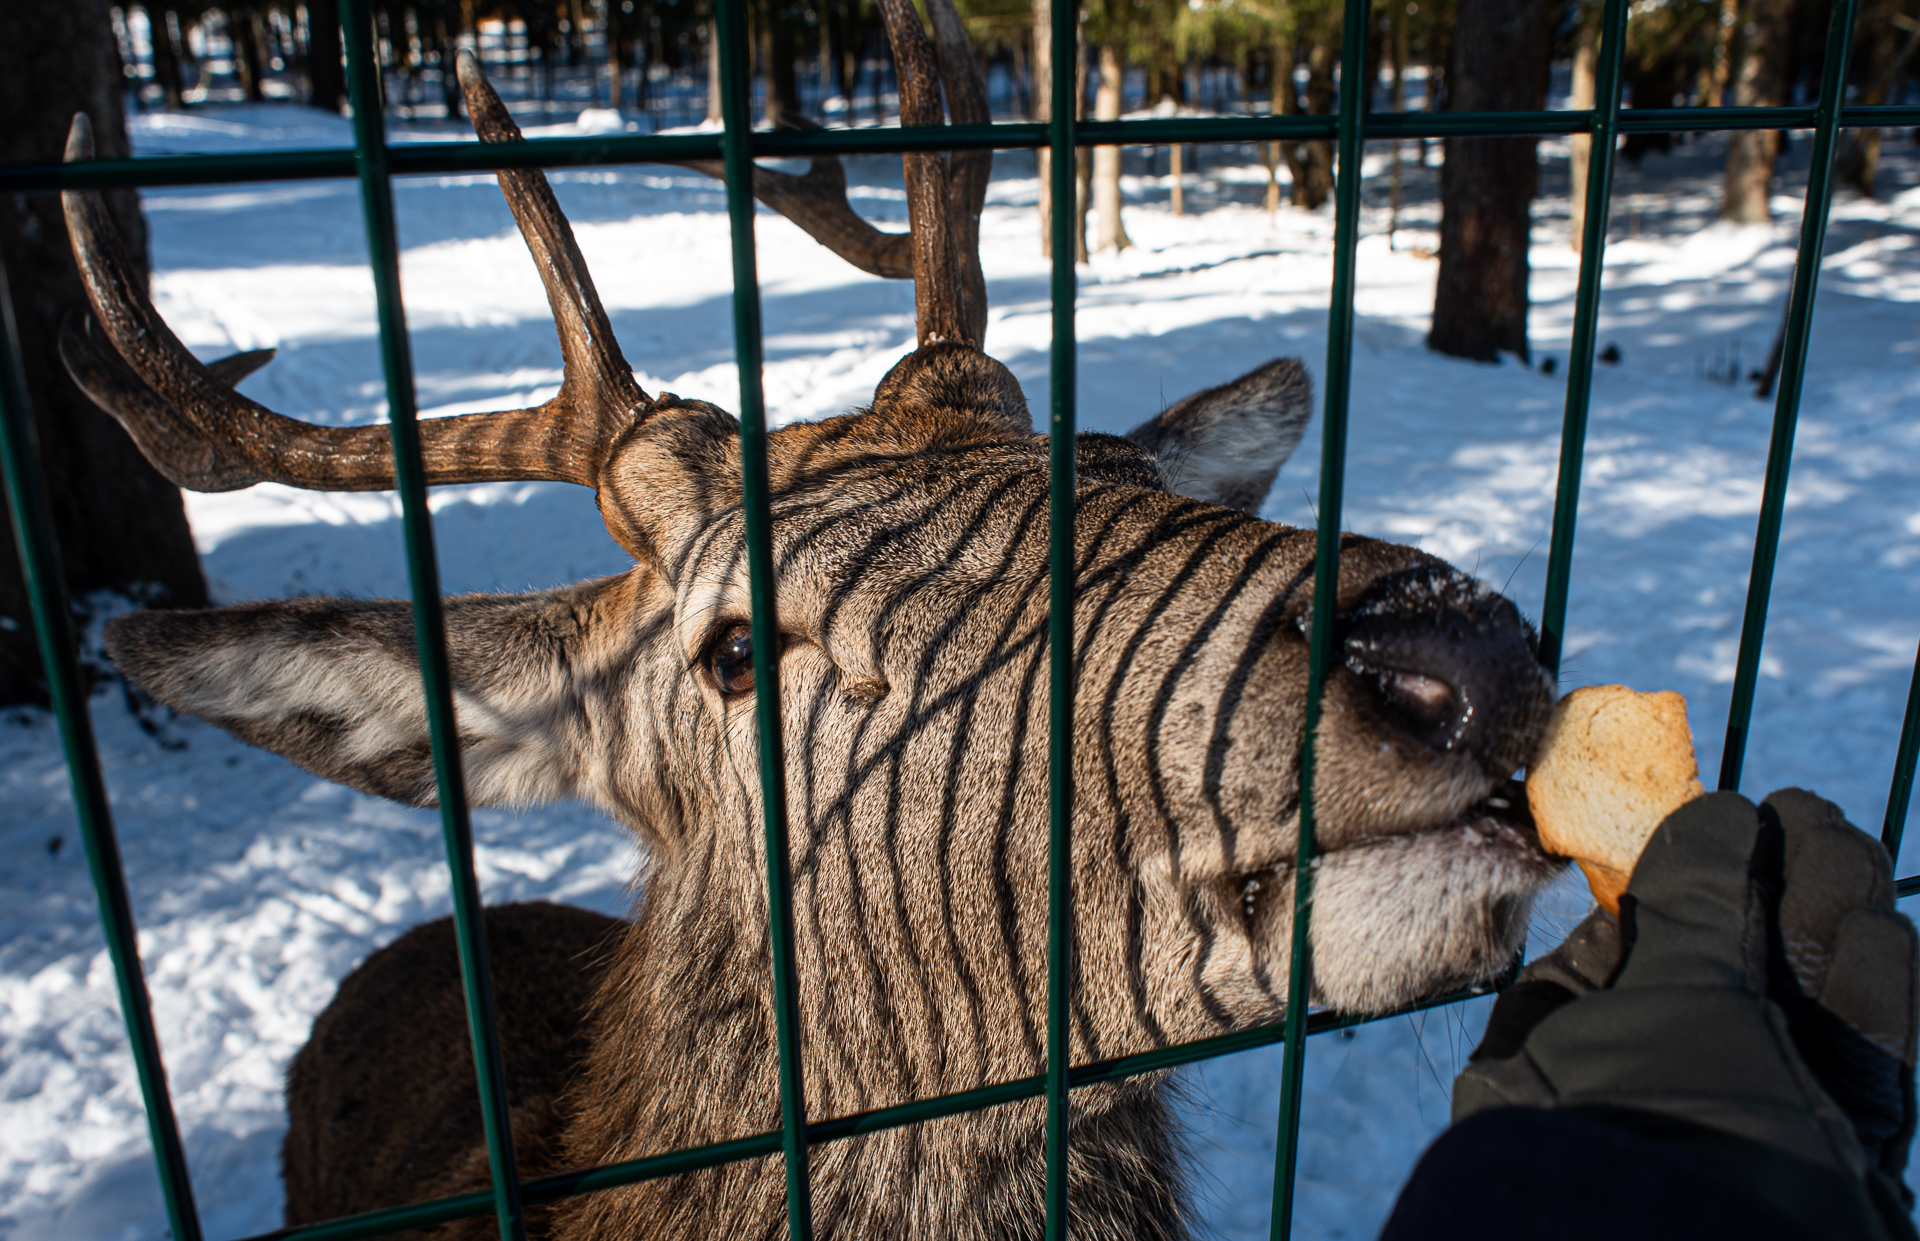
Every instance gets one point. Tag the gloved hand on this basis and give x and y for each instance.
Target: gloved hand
(1754, 1005)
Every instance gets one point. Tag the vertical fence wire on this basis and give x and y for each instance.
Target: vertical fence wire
(1793, 373)
(757, 513)
(1901, 791)
(1586, 322)
(1326, 587)
(34, 540)
(429, 621)
(1061, 426)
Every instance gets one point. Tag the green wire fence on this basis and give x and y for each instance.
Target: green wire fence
(375, 166)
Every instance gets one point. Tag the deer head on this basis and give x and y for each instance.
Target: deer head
(910, 540)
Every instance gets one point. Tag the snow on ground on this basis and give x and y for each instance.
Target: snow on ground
(258, 887)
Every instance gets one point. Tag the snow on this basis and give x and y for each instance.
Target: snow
(258, 887)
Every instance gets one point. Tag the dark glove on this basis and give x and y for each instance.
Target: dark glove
(1753, 1005)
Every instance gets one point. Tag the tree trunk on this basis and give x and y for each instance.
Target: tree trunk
(1082, 157)
(1399, 105)
(1043, 112)
(1106, 160)
(166, 59)
(1759, 80)
(1311, 163)
(1883, 58)
(120, 525)
(1501, 51)
(324, 68)
(249, 56)
(1585, 61)
(447, 51)
(713, 72)
(783, 79)
(1722, 67)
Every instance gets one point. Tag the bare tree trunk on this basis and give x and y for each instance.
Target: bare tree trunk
(120, 525)
(783, 81)
(249, 58)
(1082, 157)
(1043, 111)
(1501, 51)
(166, 57)
(1759, 81)
(1311, 163)
(1884, 58)
(325, 73)
(618, 54)
(1179, 180)
(448, 52)
(713, 71)
(1106, 160)
(1585, 61)
(1722, 52)
(1399, 105)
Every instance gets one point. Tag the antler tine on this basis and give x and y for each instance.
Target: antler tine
(599, 385)
(938, 314)
(203, 435)
(817, 202)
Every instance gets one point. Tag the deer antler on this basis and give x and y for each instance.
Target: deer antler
(944, 197)
(204, 436)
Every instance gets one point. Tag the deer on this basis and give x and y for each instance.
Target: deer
(910, 540)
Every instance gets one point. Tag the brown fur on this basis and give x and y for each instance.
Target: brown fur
(910, 542)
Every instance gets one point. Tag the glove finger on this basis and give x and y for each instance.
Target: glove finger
(1871, 984)
(1585, 959)
(1832, 868)
(1858, 1041)
(1690, 917)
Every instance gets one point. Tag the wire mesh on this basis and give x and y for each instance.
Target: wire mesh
(375, 166)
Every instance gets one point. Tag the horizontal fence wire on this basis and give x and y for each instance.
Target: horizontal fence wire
(374, 164)
(820, 1133)
(447, 158)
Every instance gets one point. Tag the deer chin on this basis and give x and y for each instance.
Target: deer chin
(1403, 917)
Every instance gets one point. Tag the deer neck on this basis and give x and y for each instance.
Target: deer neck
(684, 1055)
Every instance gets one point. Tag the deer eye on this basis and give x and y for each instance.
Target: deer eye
(731, 660)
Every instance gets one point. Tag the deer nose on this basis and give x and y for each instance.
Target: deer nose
(1453, 664)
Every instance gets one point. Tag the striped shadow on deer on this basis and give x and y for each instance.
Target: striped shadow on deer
(910, 539)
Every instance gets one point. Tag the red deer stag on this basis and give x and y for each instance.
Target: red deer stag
(911, 543)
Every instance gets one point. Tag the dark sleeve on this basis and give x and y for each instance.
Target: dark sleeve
(1518, 1172)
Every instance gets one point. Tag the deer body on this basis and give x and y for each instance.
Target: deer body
(910, 545)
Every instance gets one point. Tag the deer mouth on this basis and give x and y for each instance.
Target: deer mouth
(1501, 819)
(1498, 830)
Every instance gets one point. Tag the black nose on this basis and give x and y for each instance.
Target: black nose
(1453, 663)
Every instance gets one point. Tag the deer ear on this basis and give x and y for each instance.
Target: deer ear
(1226, 444)
(334, 685)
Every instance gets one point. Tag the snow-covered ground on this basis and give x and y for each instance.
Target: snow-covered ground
(258, 887)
